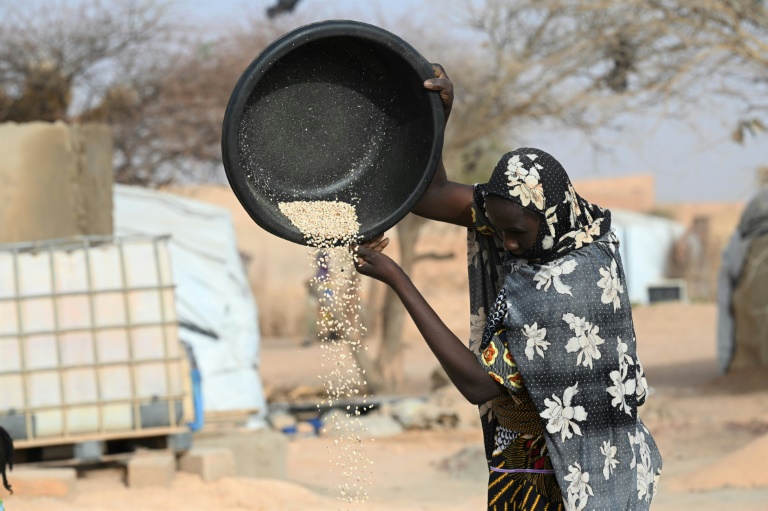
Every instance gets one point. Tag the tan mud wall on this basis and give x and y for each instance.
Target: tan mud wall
(55, 181)
(635, 193)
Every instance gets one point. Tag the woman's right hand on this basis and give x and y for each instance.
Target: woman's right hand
(444, 85)
(371, 262)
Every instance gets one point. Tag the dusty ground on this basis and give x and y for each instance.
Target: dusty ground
(712, 431)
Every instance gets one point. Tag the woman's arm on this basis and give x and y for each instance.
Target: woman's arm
(445, 201)
(460, 364)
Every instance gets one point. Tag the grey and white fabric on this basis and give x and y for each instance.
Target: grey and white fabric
(558, 325)
(753, 224)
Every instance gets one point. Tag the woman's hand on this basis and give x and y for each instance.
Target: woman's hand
(370, 262)
(444, 85)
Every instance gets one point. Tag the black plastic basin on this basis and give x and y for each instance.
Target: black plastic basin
(335, 110)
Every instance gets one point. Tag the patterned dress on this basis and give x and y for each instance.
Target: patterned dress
(556, 331)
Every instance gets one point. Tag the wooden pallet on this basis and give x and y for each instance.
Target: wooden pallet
(99, 448)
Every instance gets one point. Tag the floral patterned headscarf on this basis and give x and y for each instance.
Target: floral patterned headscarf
(535, 180)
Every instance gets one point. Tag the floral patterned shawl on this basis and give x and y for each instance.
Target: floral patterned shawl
(560, 326)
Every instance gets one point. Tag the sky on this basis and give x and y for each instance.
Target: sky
(692, 161)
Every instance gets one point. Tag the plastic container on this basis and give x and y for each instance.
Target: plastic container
(88, 340)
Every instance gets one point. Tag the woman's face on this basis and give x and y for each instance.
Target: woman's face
(517, 226)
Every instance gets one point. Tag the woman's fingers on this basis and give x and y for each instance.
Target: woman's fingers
(442, 84)
(441, 79)
(376, 242)
(363, 253)
(367, 252)
(439, 71)
(381, 245)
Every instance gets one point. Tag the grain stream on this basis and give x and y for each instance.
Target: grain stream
(330, 228)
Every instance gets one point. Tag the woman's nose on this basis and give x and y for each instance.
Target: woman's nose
(511, 245)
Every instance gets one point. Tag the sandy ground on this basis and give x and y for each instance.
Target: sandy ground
(712, 430)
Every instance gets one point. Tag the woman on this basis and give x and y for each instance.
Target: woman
(6, 458)
(552, 360)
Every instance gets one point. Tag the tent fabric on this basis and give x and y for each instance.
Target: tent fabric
(731, 266)
(215, 306)
(752, 225)
(645, 245)
(750, 303)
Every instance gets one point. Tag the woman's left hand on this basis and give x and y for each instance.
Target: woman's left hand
(371, 262)
(442, 84)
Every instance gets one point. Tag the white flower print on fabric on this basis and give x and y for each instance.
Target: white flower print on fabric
(516, 170)
(575, 210)
(486, 411)
(473, 248)
(518, 264)
(550, 274)
(579, 490)
(609, 451)
(476, 327)
(586, 341)
(561, 415)
(644, 481)
(611, 286)
(645, 476)
(622, 348)
(588, 214)
(524, 183)
(656, 478)
(641, 388)
(579, 325)
(584, 236)
(620, 390)
(536, 342)
(622, 387)
(487, 261)
(550, 217)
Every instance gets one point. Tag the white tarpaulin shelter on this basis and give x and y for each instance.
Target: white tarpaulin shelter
(646, 243)
(215, 307)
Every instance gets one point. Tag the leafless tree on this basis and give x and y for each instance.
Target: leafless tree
(583, 65)
(54, 61)
(580, 64)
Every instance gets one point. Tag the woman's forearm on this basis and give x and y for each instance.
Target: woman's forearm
(460, 364)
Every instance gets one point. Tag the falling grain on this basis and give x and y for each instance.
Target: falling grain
(331, 227)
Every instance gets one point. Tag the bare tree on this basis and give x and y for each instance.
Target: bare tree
(55, 61)
(583, 65)
(162, 89)
(579, 64)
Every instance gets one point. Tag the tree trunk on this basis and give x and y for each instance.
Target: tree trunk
(384, 374)
(390, 359)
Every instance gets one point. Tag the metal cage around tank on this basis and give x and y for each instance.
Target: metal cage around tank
(89, 345)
